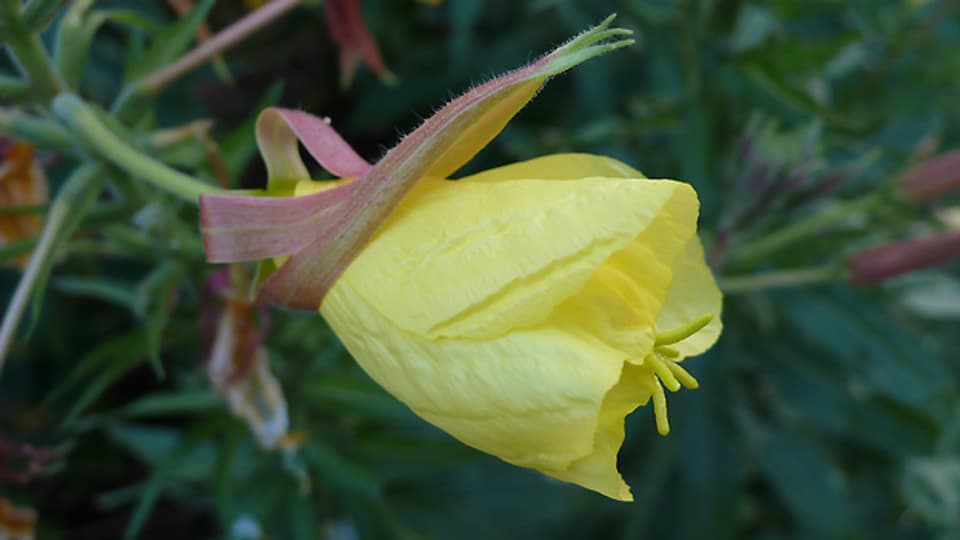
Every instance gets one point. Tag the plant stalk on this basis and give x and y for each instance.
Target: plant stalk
(226, 38)
(81, 187)
(90, 129)
(798, 277)
(39, 131)
(28, 52)
(783, 238)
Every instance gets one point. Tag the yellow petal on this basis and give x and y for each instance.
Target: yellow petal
(537, 398)
(693, 293)
(476, 259)
(478, 134)
(559, 167)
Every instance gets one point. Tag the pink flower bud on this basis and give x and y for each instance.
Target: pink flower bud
(933, 178)
(890, 260)
(356, 43)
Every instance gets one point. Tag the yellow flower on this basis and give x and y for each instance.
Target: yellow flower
(526, 310)
(519, 309)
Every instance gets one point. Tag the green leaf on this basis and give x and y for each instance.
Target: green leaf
(72, 45)
(108, 290)
(810, 485)
(339, 472)
(170, 43)
(77, 30)
(240, 144)
(185, 446)
(17, 248)
(155, 299)
(97, 370)
(172, 403)
(13, 88)
(77, 195)
(353, 396)
(37, 14)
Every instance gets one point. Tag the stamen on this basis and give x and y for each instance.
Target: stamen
(668, 352)
(660, 407)
(659, 367)
(685, 377)
(676, 335)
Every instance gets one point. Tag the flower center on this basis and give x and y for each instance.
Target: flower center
(663, 368)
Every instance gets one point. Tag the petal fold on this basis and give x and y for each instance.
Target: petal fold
(476, 259)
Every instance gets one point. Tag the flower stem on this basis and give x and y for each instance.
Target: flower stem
(223, 40)
(28, 52)
(85, 122)
(782, 238)
(13, 88)
(79, 191)
(41, 132)
(797, 277)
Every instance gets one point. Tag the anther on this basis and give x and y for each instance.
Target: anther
(660, 368)
(668, 352)
(660, 407)
(685, 377)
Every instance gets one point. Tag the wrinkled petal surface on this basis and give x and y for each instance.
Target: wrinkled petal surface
(476, 259)
(514, 313)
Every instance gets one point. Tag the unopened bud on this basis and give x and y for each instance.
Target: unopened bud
(890, 260)
(933, 178)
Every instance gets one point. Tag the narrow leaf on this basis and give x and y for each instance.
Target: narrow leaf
(171, 43)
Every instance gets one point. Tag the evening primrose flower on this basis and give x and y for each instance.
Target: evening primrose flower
(525, 310)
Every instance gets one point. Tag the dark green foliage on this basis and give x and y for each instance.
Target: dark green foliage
(825, 411)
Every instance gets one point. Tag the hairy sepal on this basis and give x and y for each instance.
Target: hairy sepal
(344, 219)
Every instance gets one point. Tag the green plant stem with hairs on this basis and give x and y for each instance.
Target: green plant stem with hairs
(84, 122)
(779, 240)
(28, 52)
(79, 192)
(779, 279)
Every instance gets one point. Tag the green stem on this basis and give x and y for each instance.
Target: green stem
(76, 194)
(28, 52)
(13, 88)
(44, 133)
(223, 40)
(782, 238)
(18, 209)
(136, 95)
(38, 14)
(85, 123)
(797, 277)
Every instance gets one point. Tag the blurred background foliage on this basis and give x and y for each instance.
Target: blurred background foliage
(827, 410)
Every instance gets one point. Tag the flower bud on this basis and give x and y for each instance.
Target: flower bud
(890, 260)
(933, 178)
(356, 43)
